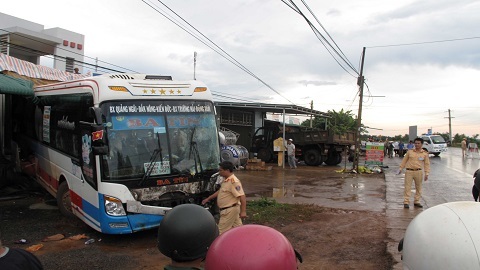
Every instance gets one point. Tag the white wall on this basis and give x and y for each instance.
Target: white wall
(74, 46)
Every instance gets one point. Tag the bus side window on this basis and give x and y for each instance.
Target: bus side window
(38, 123)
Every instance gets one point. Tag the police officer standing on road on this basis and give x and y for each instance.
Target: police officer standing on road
(413, 161)
(230, 199)
(464, 147)
(185, 234)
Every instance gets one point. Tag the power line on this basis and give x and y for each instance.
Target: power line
(331, 38)
(240, 97)
(222, 53)
(230, 97)
(424, 42)
(328, 46)
(73, 52)
(55, 57)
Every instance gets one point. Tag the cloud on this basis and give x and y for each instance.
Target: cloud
(423, 8)
(277, 45)
(334, 12)
(316, 83)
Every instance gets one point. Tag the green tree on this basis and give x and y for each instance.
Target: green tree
(445, 136)
(340, 122)
(317, 122)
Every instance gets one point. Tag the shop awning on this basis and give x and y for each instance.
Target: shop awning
(15, 86)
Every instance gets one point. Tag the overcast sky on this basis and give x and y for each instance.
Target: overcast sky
(407, 84)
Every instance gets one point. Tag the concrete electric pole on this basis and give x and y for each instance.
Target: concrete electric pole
(194, 64)
(311, 107)
(450, 125)
(360, 82)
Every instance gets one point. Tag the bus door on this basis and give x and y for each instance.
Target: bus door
(84, 191)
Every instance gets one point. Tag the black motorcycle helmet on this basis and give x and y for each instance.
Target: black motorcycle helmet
(186, 232)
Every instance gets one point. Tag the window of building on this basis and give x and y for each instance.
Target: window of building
(69, 63)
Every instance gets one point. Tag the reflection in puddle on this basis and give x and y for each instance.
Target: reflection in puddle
(358, 185)
(282, 192)
(353, 198)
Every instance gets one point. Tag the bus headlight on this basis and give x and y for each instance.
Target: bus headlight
(114, 206)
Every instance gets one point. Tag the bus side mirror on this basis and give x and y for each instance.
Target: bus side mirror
(99, 144)
(96, 113)
(100, 150)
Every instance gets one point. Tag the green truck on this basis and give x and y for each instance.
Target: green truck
(313, 146)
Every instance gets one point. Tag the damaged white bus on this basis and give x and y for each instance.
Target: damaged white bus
(119, 150)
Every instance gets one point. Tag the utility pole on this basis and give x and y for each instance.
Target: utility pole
(311, 107)
(450, 125)
(360, 82)
(194, 64)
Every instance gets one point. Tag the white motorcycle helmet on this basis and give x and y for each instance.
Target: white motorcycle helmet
(446, 236)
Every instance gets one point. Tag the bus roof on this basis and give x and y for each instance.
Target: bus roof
(129, 86)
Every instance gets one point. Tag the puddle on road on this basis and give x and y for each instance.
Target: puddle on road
(282, 192)
(353, 198)
(359, 186)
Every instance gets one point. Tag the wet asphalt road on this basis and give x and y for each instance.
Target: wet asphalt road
(323, 186)
(450, 180)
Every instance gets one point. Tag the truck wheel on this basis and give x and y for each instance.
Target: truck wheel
(264, 155)
(436, 154)
(64, 201)
(312, 157)
(333, 158)
(339, 158)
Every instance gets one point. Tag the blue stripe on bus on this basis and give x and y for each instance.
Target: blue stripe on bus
(90, 210)
(141, 222)
(125, 224)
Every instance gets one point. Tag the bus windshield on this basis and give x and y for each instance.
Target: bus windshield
(159, 138)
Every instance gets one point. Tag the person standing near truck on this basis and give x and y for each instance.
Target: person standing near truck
(291, 154)
(413, 161)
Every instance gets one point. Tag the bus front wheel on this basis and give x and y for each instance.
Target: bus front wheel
(64, 201)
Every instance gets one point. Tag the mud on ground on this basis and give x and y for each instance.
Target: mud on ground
(328, 238)
(343, 236)
(339, 239)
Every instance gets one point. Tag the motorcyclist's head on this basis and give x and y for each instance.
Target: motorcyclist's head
(186, 232)
(252, 247)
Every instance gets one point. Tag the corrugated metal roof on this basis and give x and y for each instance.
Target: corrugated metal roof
(15, 86)
(272, 108)
(28, 69)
